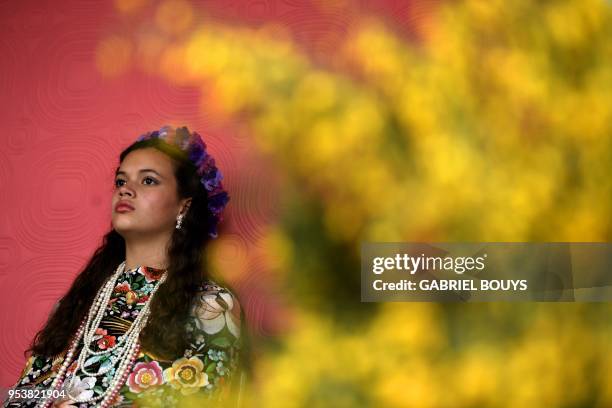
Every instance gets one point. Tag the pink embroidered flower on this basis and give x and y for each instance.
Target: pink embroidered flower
(145, 375)
(106, 341)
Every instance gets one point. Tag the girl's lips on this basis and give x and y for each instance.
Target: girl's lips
(123, 208)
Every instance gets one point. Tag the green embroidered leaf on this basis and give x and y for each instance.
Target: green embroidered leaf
(129, 395)
(221, 342)
(98, 389)
(211, 367)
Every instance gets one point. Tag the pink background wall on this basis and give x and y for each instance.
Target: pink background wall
(64, 126)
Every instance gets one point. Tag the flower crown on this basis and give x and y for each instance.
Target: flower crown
(210, 176)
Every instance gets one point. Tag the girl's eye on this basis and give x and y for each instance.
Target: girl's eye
(118, 182)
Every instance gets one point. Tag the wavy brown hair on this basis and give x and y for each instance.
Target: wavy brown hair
(165, 334)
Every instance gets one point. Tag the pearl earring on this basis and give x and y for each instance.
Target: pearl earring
(179, 221)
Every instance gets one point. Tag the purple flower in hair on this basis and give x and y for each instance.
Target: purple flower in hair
(217, 202)
(212, 179)
(207, 164)
(197, 152)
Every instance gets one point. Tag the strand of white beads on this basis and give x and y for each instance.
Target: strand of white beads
(125, 351)
(128, 351)
(60, 377)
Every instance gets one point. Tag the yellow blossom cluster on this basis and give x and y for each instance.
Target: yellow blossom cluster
(495, 126)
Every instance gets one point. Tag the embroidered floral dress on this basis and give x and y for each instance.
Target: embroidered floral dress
(209, 368)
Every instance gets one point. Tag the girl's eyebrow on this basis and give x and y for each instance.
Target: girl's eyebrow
(118, 172)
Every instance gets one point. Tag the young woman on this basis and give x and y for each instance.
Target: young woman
(143, 324)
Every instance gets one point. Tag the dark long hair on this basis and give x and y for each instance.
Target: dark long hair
(164, 334)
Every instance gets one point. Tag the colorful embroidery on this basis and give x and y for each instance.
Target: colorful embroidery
(206, 367)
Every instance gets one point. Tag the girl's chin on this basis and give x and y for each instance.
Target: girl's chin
(124, 227)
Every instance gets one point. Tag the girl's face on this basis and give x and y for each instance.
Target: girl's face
(145, 180)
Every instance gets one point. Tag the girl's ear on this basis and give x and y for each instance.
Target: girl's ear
(186, 205)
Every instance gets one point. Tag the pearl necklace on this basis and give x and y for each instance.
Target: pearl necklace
(127, 345)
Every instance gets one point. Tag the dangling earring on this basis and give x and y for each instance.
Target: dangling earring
(179, 221)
